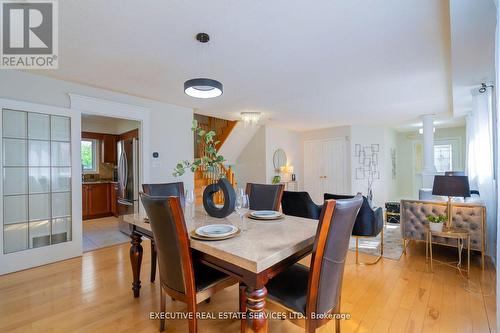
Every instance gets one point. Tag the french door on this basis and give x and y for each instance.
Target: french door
(325, 168)
(39, 182)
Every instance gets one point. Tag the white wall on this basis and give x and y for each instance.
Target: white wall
(255, 162)
(250, 165)
(108, 125)
(385, 188)
(169, 133)
(290, 142)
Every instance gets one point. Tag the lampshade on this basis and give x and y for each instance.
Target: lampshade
(451, 186)
(203, 88)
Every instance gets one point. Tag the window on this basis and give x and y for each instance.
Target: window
(89, 156)
(443, 159)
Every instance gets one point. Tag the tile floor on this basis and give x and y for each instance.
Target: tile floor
(104, 232)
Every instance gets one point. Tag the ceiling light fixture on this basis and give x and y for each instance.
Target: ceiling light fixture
(250, 118)
(203, 87)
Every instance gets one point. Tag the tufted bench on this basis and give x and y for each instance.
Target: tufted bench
(465, 216)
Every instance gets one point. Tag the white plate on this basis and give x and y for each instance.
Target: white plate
(265, 214)
(216, 230)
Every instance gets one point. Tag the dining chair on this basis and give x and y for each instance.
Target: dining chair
(265, 196)
(162, 190)
(369, 224)
(316, 292)
(166, 190)
(180, 277)
(300, 204)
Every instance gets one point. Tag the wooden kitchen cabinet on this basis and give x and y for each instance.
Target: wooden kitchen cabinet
(85, 201)
(113, 187)
(109, 148)
(96, 200)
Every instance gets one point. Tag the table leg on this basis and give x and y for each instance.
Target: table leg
(136, 260)
(153, 261)
(468, 256)
(256, 302)
(430, 250)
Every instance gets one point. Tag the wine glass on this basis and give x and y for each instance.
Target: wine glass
(189, 198)
(242, 207)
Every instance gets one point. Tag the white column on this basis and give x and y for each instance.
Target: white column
(428, 146)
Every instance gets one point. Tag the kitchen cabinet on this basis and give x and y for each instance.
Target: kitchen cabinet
(114, 196)
(109, 148)
(97, 200)
(107, 145)
(85, 201)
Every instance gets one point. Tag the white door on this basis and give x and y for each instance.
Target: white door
(312, 170)
(335, 167)
(40, 185)
(325, 167)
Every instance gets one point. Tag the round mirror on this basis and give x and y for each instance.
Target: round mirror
(279, 159)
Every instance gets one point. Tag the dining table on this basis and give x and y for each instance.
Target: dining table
(262, 249)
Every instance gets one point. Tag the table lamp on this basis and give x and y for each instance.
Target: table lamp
(451, 186)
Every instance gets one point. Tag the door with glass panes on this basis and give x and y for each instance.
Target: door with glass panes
(36, 187)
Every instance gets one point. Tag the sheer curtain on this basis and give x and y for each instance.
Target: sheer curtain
(480, 158)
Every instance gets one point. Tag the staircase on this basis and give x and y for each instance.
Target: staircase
(222, 128)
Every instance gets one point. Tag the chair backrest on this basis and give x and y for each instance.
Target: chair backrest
(365, 218)
(172, 242)
(299, 204)
(329, 254)
(265, 196)
(165, 190)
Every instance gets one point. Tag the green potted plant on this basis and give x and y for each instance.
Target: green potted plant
(436, 222)
(210, 163)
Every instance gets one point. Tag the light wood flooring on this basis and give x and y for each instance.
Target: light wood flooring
(93, 294)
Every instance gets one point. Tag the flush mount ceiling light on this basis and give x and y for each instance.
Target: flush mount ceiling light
(250, 118)
(203, 87)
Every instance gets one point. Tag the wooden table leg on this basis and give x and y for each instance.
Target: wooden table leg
(153, 261)
(256, 317)
(136, 260)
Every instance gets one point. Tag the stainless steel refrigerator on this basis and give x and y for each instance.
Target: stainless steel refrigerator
(128, 180)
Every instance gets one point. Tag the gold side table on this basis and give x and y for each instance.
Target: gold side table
(460, 236)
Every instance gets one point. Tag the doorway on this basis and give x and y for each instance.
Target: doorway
(110, 178)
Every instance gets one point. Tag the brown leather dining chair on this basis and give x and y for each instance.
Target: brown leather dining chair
(265, 196)
(317, 290)
(162, 190)
(180, 277)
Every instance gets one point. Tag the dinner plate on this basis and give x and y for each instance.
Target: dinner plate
(194, 235)
(265, 215)
(216, 230)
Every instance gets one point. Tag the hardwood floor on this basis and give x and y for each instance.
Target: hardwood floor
(93, 294)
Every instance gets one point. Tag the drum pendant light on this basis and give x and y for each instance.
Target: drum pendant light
(203, 87)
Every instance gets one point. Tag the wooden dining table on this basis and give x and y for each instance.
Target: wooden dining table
(262, 250)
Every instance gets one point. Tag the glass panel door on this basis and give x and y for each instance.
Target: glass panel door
(36, 173)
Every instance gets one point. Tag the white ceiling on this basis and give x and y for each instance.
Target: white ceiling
(305, 64)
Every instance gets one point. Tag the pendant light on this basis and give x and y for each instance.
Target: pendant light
(203, 87)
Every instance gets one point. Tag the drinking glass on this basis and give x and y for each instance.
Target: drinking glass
(189, 199)
(242, 207)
